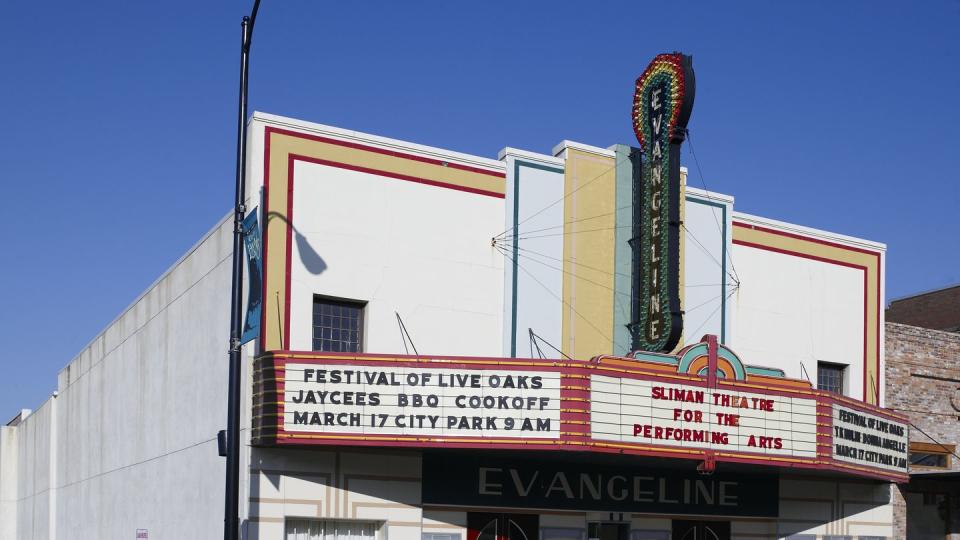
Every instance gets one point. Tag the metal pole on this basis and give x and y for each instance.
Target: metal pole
(231, 505)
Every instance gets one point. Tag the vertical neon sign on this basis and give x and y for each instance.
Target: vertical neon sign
(662, 104)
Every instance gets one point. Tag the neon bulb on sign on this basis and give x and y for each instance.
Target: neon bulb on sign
(662, 104)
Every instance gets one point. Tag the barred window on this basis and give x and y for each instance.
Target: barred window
(337, 325)
(439, 536)
(315, 529)
(830, 377)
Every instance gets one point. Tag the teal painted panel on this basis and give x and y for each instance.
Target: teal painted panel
(623, 254)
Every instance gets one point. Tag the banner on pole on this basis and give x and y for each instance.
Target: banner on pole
(251, 240)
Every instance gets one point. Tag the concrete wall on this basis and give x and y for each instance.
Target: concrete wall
(36, 486)
(129, 442)
(9, 486)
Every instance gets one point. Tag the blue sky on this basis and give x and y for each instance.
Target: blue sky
(119, 123)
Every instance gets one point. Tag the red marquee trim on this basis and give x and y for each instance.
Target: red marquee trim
(573, 433)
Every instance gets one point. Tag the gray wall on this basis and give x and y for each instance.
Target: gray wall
(9, 448)
(130, 440)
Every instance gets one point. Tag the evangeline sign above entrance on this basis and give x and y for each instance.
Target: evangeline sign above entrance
(481, 480)
(701, 404)
(662, 103)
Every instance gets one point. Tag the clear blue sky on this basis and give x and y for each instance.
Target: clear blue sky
(119, 123)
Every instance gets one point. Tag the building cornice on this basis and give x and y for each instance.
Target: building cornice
(379, 142)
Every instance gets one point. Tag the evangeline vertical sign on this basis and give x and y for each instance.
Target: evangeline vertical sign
(662, 104)
(251, 240)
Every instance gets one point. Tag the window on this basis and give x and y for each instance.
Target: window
(930, 455)
(830, 377)
(440, 536)
(608, 531)
(337, 325)
(562, 533)
(315, 529)
(645, 534)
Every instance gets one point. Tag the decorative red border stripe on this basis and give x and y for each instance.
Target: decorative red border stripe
(384, 151)
(292, 158)
(866, 293)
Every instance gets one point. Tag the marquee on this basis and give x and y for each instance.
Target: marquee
(651, 405)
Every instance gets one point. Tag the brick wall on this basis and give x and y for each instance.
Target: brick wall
(923, 381)
(939, 310)
(923, 376)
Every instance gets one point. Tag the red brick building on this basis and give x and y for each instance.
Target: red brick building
(923, 381)
(938, 309)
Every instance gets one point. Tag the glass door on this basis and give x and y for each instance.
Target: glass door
(502, 526)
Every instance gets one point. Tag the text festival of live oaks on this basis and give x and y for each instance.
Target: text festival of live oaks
(346, 397)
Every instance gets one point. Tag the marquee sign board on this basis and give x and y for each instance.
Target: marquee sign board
(655, 405)
(662, 102)
(869, 440)
(386, 400)
(633, 410)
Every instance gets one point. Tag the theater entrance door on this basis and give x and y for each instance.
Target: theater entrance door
(701, 530)
(502, 526)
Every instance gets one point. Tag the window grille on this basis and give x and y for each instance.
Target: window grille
(830, 377)
(440, 536)
(315, 529)
(337, 325)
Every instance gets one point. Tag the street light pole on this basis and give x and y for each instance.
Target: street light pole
(231, 506)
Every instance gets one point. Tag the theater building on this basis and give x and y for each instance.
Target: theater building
(443, 354)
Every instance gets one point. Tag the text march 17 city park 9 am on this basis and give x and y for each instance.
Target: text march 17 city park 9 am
(607, 404)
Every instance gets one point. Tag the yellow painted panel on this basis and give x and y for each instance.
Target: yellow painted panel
(588, 253)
